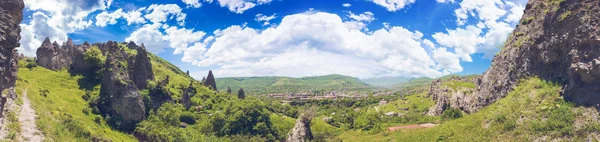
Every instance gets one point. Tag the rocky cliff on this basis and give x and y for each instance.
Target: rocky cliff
(11, 14)
(119, 97)
(557, 41)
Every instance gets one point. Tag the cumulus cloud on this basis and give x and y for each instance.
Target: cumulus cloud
(393, 5)
(264, 18)
(445, 1)
(317, 43)
(163, 12)
(239, 6)
(151, 36)
(359, 21)
(56, 19)
(181, 38)
(494, 21)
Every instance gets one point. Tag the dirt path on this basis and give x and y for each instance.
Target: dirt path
(29, 131)
(414, 126)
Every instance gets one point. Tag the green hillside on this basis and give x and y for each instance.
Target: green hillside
(532, 111)
(274, 84)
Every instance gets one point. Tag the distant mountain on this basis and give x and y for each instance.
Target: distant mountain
(386, 81)
(271, 82)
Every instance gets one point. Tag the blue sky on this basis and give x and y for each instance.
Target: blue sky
(361, 38)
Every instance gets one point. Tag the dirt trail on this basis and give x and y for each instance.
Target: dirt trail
(29, 131)
(414, 126)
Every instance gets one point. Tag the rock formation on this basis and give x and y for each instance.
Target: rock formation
(186, 99)
(55, 57)
(301, 131)
(11, 14)
(119, 97)
(210, 81)
(557, 41)
(241, 94)
(160, 94)
(460, 98)
(142, 68)
(228, 90)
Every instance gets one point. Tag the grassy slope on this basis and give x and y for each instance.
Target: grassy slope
(533, 110)
(63, 115)
(250, 83)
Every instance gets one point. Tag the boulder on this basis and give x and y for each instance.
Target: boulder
(241, 94)
(160, 94)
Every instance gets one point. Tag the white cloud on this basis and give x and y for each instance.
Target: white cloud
(239, 6)
(346, 5)
(192, 3)
(363, 17)
(55, 19)
(487, 26)
(104, 18)
(317, 44)
(181, 38)
(393, 5)
(264, 18)
(162, 13)
(447, 60)
(464, 41)
(150, 36)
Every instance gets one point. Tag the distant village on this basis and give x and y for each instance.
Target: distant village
(316, 95)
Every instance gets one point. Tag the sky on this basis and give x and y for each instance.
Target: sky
(295, 38)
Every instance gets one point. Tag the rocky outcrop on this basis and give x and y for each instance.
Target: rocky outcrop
(556, 41)
(56, 57)
(228, 90)
(142, 68)
(119, 97)
(160, 94)
(186, 99)
(11, 14)
(301, 131)
(460, 98)
(241, 94)
(210, 81)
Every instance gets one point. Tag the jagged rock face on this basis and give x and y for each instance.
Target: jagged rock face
(301, 131)
(142, 68)
(11, 14)
(210, 81)
(556, 42)
(52, 56)
(228, 90)
(120, 98)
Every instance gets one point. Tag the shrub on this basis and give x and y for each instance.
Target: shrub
(451, 113)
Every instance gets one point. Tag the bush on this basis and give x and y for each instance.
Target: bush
(31, 65)
(451, 113)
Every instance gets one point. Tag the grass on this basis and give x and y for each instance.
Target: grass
(455, 85)
(14, 127)
(61, 111)
(531, 111)
(275, 84)
(527, 20)
(565, 15)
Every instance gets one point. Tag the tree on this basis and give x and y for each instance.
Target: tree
(241, 94)
(94, 58)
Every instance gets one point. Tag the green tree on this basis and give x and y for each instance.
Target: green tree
(94, 58)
